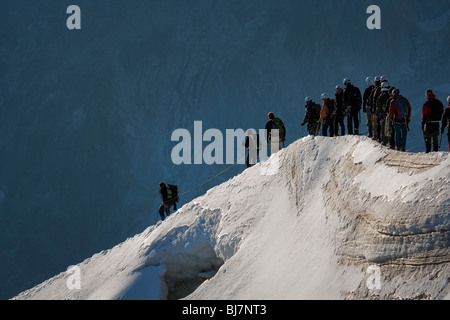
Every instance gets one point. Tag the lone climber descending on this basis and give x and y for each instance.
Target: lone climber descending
(169, 195)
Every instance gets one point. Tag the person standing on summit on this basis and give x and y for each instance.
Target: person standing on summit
(367, 106)
(327, 115)
(340, 111)
(312, 116)
(275, 124)
(377, 119)
(381, 111)
(432, 112)
(400, 113)
(353, 102)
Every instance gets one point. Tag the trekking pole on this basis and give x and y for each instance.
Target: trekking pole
(440, 143)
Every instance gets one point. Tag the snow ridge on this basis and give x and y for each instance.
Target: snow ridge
(311, 230)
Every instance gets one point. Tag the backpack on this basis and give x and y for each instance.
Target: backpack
(401, 110)
(433, 110)
(331, 109)
(352, 97)
(172, 192)
(313, 112)
(278, 124)
(426, 112)
(381, 103)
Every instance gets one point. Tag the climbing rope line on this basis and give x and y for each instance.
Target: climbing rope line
(212, 178)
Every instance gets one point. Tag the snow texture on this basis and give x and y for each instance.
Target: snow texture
(334, 208)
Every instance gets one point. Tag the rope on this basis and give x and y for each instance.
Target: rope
(212, 178)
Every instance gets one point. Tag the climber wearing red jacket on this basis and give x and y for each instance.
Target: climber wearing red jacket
(432, 112)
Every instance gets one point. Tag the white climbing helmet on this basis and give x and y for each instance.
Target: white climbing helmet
(385, 86)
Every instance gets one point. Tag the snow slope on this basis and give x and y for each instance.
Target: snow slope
(332, 208)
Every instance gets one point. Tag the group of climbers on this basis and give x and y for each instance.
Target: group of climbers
(388, 117)
(388, 114)
(332, 113)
